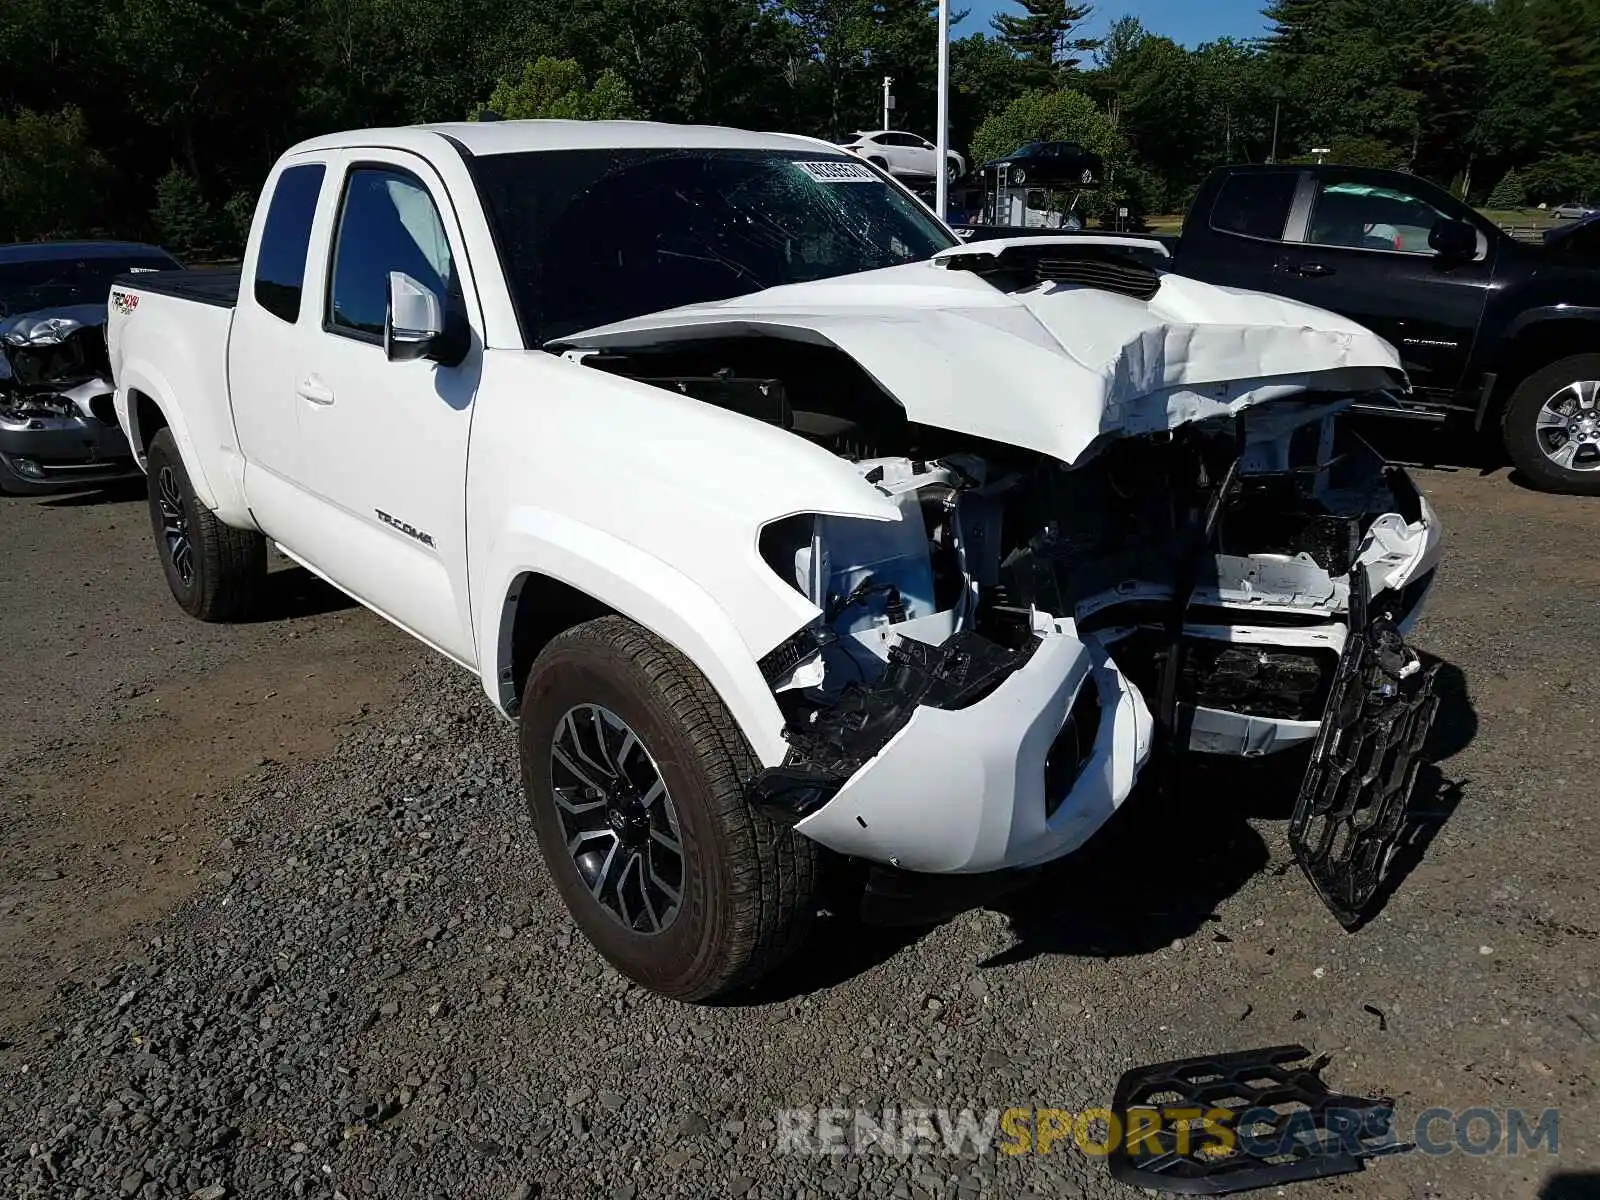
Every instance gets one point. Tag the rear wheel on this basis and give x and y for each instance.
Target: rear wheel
(215, 571)
(1552, 426)
(635, 773)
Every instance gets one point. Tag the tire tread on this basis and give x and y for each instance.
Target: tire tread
(230, 563)
(773, 870)
(1522, 411)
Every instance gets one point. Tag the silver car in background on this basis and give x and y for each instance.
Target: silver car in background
(58, 429)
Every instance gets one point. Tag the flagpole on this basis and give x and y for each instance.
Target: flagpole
(942, 189)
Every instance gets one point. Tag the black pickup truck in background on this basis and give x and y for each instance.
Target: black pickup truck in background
(1493, 332)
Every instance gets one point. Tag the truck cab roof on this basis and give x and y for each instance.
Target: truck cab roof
(487, 138)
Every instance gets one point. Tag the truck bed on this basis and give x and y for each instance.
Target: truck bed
(217, 286)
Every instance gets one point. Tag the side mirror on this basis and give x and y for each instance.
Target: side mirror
(417, 326)
(1450, 238)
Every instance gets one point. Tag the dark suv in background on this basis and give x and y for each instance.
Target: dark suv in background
(1492, 331)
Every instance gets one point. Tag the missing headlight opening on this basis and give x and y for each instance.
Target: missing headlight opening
(1226, 544)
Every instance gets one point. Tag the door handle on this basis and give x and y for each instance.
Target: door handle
(1313, 269)
(313, 389)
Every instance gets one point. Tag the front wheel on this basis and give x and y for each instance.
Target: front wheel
(215, 571)
(634, 773)
(1552, 426)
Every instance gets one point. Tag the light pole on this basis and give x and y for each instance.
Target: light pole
(941, 190)
(888, 99)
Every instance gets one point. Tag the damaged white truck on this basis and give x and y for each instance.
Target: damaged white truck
(783, 523)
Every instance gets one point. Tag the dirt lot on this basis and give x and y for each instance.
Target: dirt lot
(271, 920)
(123, 728)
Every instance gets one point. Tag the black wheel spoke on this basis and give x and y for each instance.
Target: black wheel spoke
(175, 524)
(617, 818)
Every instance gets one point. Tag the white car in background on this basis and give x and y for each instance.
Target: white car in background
(902, 153)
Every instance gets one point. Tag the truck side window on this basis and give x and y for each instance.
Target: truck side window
(1362, 216)
(388, 223)
(281, 262)
(1255, 204)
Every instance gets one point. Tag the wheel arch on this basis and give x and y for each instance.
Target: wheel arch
(563, 574)
(150, 409)
(1536, 340)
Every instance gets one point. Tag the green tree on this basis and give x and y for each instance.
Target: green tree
(1152, 87)
(50, 177)
(183, 219)
(984, 78)
(1043, 35)
(835, 84)
(555, 87)
(1241, 95)
(1510, 192)
(1403, 72)
(209, 72)
(1060, 114)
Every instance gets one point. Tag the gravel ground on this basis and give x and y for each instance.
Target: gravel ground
(370, 988)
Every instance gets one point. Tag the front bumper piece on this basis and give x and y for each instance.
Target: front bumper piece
(965, 791)
(53, 454)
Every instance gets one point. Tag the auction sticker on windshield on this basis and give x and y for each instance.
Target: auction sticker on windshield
(837, 171)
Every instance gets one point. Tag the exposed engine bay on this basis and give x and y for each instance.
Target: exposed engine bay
(1209, 571)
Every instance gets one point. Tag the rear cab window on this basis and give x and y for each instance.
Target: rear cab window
(1255, 204)
(286, 239)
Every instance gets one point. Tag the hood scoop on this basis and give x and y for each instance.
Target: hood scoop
(1020, 267)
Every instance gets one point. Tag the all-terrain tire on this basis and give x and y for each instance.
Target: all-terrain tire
(215, 572)
(1521, 429)
(748, 883)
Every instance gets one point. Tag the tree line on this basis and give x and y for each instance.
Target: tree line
(159, 118)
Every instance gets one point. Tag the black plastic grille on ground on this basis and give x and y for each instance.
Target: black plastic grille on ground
(1353, 804)
(1283, 1122)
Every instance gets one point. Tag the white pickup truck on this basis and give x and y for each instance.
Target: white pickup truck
(783, 523)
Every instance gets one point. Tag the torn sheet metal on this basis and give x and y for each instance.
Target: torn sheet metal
(1054, 368)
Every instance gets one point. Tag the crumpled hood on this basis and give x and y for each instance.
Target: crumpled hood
(56, 346)
(1055, 368)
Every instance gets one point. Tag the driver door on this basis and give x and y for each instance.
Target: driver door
(1363, 252)
(383, 445)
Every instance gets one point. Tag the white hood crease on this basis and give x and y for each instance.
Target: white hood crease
(1052, 369)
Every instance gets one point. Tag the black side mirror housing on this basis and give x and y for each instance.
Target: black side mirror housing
(1450, 238)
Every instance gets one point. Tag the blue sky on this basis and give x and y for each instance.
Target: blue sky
(1187, 21)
